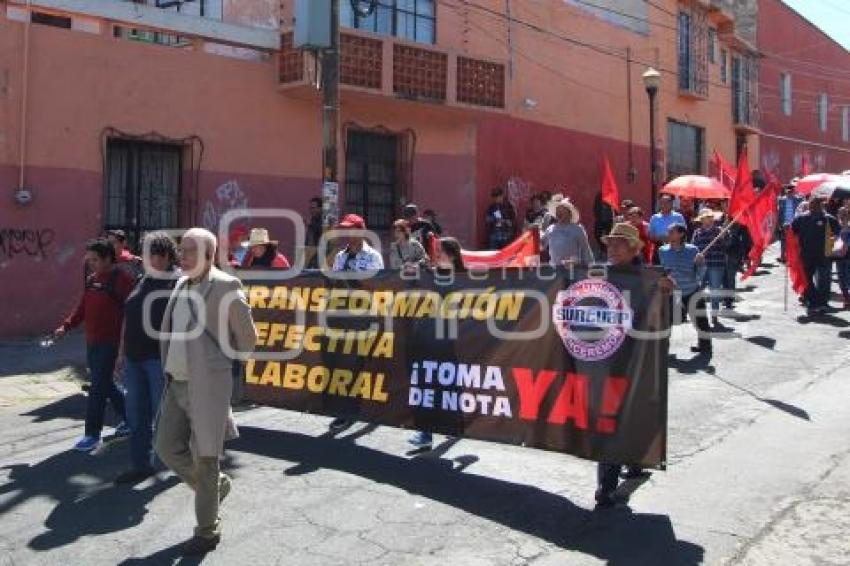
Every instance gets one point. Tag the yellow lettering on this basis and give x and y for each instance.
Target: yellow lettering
(299, 298)
(294, 337)
(358, 303)
(340, 380)
(262, 332)
(450, 304)
(337, 300)
(257, 297)
(365, 341)
(311, 339)
(362, 386)
(319, 300)
(378, 394)
(276, 333)
(293, 377)
(467, 305)
(428, 306)
(250, 376)
(509, 306)
(317, 379)
(278, 300)
(271, 374)
(405, 304)
(385, 346)
(380, 302)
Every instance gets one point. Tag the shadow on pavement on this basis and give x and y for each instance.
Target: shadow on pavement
(763, 341)
(73, 407)
(617, 536)
(171, 555)
(87, 503)
(825, 319)
(792, 410)
(845, 334)
(698, 363)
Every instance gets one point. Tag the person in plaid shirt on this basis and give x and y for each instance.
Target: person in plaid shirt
(715, 256)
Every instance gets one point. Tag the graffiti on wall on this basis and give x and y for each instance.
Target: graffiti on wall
(228, 196)
(27, 242)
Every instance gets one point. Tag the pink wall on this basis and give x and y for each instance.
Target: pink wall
(816, 65)
(557, 160)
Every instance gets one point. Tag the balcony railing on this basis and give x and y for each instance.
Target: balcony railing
(394, 67)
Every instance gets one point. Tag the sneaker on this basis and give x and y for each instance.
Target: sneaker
(339, 424)
(421, 440)
(134, 476)
(87, 444)
(635, 473)
(123, 429)
(198, 546)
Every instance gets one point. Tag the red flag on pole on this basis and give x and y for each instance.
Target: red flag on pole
(761, 223)
(726, 173)
(796, 271)
(743, 194)
(610, 192)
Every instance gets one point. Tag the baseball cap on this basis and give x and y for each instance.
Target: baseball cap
(352, 221)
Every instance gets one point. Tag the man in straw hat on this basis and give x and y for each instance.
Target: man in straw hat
(624, 248)
(566, 239)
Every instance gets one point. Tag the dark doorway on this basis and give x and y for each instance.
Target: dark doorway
(371, 178)
(143, 187)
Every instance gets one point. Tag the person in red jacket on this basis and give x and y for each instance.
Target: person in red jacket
(262, 252)
(101, 308)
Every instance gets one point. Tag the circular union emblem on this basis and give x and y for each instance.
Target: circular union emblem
(592, 319)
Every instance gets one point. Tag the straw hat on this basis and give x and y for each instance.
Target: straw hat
(624, 231)
(560, 200)
(259, 237)
(706, 213)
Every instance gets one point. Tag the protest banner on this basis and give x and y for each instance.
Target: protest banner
(539, 357)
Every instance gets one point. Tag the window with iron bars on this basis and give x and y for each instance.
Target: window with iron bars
(744, 91)
(413, 20)
(693, 51)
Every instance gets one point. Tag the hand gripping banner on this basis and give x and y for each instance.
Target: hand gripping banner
(543, 358)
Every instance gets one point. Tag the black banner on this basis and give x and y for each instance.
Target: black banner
(572, 362)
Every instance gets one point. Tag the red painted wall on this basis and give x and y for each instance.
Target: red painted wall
(817, 64)
(554, 159)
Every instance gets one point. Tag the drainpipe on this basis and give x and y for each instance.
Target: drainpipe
(22, 195)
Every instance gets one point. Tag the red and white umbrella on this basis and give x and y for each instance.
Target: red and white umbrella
(696, 187)
(832, 189)
(810, 182)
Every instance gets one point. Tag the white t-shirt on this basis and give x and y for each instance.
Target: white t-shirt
(367, 259)
(177, 361)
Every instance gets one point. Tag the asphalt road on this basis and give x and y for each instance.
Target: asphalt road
(759, 473)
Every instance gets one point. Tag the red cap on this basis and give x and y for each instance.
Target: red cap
(352, 221)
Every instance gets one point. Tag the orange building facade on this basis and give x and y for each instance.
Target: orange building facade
(123, 115)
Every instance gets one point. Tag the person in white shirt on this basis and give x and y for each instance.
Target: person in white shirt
(357, 255)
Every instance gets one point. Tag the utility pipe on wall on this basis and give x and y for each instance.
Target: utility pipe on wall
(24, 96)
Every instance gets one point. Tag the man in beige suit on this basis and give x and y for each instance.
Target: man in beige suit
(206, 320)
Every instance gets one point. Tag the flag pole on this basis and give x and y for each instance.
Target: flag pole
(787, 279)
(726, 228)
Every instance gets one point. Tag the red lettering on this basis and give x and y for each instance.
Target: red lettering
(571, 403)
(531, 391)
(613, 393)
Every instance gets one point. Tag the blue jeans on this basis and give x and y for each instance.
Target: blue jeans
(715, 278)
(144, 381)
(101, 360)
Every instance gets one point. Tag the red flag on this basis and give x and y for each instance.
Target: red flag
(761, 223)
(743, 194)
(726, 173)
(610, 192)
(522, 252)
(796, 271)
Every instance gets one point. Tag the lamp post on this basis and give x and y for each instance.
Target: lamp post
(652, 80)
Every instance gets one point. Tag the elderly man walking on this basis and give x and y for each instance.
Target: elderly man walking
(207, 318)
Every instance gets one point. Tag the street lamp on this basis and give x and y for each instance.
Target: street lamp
(652, 80)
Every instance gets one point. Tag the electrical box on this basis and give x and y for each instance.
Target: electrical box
(312, 24)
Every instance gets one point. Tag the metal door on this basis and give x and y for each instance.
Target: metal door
(371, 180)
